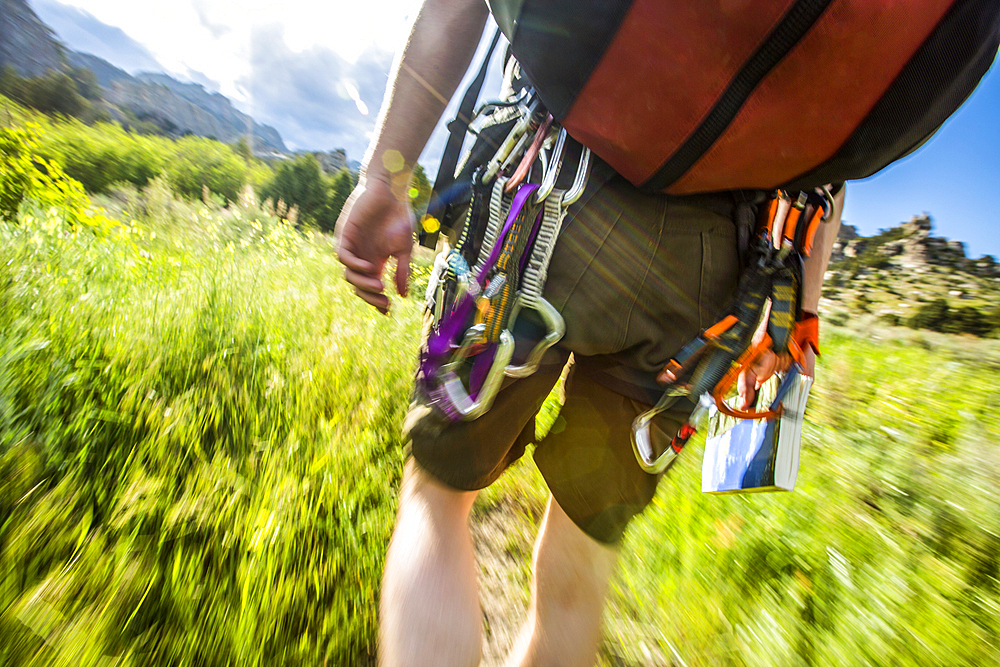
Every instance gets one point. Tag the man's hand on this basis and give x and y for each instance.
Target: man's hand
(375, 225)
(751, 379)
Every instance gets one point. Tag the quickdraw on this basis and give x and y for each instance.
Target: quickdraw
(769, 291)
(496, 271)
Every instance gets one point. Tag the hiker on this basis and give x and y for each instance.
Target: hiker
(635, 276)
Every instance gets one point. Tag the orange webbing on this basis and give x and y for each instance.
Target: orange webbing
(806, 332)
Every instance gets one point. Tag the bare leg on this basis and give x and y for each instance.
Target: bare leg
(571, 579)
(430, 613)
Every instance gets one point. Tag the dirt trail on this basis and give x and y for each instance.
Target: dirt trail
(504, 533)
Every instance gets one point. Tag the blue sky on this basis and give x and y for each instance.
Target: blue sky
(953, 177)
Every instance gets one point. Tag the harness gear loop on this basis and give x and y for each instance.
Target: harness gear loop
(533, 283)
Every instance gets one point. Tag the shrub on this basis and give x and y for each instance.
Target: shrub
(29, 177)
(968, 319)
(53, 92)
(103, 154)
(892, 319)
(933, 316)
(199, 163)
(17, 174)
(337, 196)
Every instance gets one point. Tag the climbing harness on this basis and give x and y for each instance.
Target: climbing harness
(496, 271)
(768, 296)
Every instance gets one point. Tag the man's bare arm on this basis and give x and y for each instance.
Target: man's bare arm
(376, 222)
(815, 267)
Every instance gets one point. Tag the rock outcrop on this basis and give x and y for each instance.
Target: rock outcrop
(27, 45)
(912, 246)
(333, 161)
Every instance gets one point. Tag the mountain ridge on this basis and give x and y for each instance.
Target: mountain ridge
(32, 49)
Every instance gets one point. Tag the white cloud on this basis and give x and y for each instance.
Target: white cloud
(213, 37)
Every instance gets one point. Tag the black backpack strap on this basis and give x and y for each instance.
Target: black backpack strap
(457, 127)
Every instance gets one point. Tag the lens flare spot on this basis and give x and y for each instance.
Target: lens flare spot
(430, 224)
(393, 161)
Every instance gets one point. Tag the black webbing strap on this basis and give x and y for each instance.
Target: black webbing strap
(439, 202)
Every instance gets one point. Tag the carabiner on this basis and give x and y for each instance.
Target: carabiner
(454, 400)
(642, 440)
(746, 360)
(554, 165)
(555, 325)
(521, 173)
(516, 137)
(450, 274)
(580, 180)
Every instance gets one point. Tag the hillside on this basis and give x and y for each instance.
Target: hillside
(893, 273)
(31, 49)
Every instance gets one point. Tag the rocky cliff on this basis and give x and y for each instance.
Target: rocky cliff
(229, 123)
(909, 247)
(26, 44)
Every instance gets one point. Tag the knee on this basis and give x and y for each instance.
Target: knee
(421, 491)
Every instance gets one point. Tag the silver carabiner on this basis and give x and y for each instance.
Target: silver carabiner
(828, 196)
(467, 407)
(642, 439)
(580, 181)
(512, 145)
(555, 325)
(554, 165)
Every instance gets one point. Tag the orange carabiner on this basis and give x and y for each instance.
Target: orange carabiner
(793, 217)
(746, 360)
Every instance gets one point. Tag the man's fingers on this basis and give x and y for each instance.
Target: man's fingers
(353, 262)
(363, 281)
(785, 362)
(379, 301)
(403, 273)
(745, 384)
(809, 362)
(764, 368)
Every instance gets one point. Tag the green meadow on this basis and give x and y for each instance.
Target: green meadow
(200, 451)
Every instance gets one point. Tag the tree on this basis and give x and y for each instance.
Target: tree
(242, 148)
(299, 183)
(86, 83)
(56, 92)
(340, 190)
(202, 163)
(968, 319)
(420, 191)
(14, 86)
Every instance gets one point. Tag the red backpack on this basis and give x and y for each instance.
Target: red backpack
(687, 96)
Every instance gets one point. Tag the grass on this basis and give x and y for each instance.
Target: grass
(198, 441)
(199, 454)
(885, 554)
